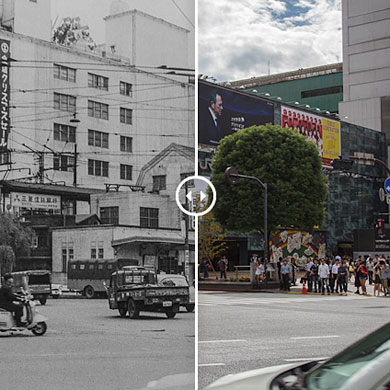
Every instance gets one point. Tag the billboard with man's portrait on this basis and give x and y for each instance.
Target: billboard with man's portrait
(223, 111)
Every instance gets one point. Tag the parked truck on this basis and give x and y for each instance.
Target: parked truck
(133, 289)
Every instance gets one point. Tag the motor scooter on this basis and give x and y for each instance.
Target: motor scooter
(35, 322)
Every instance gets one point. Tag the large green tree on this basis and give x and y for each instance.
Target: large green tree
(287, 162)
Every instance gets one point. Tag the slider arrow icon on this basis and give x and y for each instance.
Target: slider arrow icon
(202, 196)
(189, 196)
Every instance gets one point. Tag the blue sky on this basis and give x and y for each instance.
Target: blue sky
(238, 38)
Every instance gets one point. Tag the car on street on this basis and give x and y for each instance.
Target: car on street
(365, 365)
(178, 280)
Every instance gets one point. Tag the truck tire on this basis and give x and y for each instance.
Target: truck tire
(89, 292)
(43, 300)
(172, 311)
(133, 309)
(122, 310)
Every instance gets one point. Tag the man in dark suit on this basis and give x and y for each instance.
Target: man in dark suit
(7, 298)
(209, 121)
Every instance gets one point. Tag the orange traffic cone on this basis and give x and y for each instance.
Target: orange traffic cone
(304, 291)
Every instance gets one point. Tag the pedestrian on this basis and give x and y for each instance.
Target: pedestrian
(385, 276)
(309, 264)
(204, 267)
(333, 276)
(314, 275)
(279, 265)
(259, 271)
(370, 267)
(323, 274)
(285, 270)
(351, 270)
(377, 278)
(363, 276)
(222, 266)
(342, 278)
(357, 276)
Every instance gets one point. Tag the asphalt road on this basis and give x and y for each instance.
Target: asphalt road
(87, 346)
(244, 331)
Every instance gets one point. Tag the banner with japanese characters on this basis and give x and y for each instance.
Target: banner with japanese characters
(324, 132)
(35, 201)
(4, 93)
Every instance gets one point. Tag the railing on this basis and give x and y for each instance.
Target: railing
(242, 269)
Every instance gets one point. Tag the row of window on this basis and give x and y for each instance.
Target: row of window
(94, 80)
(148, 216)
(67, 133)
(98, 110)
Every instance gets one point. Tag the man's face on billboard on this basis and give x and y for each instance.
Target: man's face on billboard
(217, 106)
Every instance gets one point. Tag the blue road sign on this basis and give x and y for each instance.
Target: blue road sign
(387, 186)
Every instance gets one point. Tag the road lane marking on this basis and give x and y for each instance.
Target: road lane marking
(314, 337)
(211, 364)
(305, 359)
(222, 341)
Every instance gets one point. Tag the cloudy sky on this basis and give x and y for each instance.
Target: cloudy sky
(237, 38)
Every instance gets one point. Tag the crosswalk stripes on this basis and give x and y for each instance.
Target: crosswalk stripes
(239, 300)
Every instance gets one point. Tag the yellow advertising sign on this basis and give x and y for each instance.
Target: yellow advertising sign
(331, 139)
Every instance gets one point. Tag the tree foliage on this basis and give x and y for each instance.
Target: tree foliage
(7, 259)
(14, 235)
(70, 32)
(291, 167)
(211, 239)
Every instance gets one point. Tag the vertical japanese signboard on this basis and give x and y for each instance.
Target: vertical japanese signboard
(5, 93)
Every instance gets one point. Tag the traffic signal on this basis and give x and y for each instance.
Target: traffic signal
(379, 227)
(342, 164)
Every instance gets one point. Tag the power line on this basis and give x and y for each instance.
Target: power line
(182, 12)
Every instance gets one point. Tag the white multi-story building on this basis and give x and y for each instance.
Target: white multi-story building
(366, 67)
(90, 117)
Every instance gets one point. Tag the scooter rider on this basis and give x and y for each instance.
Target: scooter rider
(8, 298)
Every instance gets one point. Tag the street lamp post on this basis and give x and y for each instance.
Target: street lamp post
(232, 176)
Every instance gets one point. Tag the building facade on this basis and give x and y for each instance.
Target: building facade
(88, 117)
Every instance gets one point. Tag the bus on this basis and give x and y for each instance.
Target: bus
(87, 276)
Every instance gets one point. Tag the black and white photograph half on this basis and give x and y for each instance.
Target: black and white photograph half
(97, 132)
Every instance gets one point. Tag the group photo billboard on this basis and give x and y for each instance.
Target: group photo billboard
(222, 112)
(324, 132)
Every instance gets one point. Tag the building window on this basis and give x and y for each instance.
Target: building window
(126, 116)
(96, 81)
(126, 144)
(159, 182)
(93, 253)
(322, 91)
(64, 73)
(109, 215)
(125, 89)
(148, 217)
(97, 110)
(100, 253)
(64, 133)
(126, 172)
(98, 168)
(63, 163)
(98, 138)
(185, 175)
(64, 102)
(5, 157)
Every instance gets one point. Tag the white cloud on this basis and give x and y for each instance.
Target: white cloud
(237, 38)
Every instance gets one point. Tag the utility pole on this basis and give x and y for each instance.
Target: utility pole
(75, 166)
(186, 244)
